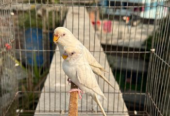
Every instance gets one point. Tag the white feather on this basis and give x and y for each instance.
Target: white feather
(69, 40)
(81, 74)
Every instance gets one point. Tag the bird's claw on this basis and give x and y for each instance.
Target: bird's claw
(79, 92)
(69, 80)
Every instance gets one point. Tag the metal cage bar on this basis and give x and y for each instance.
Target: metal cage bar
(129, 38)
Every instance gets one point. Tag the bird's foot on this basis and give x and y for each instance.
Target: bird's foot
(69, 80)
(79, 92)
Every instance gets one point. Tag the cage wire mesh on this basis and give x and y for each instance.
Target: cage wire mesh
(129, 38)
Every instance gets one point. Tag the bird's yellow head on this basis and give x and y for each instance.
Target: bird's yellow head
(60, 32)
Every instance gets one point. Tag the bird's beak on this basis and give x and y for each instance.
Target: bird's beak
(64, 56)
(55, 38)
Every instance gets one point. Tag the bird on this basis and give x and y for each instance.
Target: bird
(79, 71)
(64, 38)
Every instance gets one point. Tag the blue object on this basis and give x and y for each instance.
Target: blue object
(51, 45)
(34, 42)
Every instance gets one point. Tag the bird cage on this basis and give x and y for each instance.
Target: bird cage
(129, 38)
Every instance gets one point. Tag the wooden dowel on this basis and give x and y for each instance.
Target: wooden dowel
(73, 105)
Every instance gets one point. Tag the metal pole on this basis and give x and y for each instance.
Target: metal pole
(73, 105)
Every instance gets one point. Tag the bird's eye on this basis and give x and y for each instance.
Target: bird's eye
(72, 53)
(64, 34)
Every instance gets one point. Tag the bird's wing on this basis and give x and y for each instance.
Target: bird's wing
(96, 67)
(87, 78)
(99, 73)
(92, 61)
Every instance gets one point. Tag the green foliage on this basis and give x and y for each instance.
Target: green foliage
(50, 20)
(37, 71)
(34, 82)
(30, 19)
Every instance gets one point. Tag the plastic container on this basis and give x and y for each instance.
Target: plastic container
(34, 41)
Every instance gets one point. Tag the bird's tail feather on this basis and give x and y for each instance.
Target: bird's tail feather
(99, 73)
(107, 81)
(98, 102)
(104, 71)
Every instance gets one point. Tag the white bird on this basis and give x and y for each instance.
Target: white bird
(64, 38)
(79, 71)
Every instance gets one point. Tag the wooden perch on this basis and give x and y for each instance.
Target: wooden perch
(73, 105)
